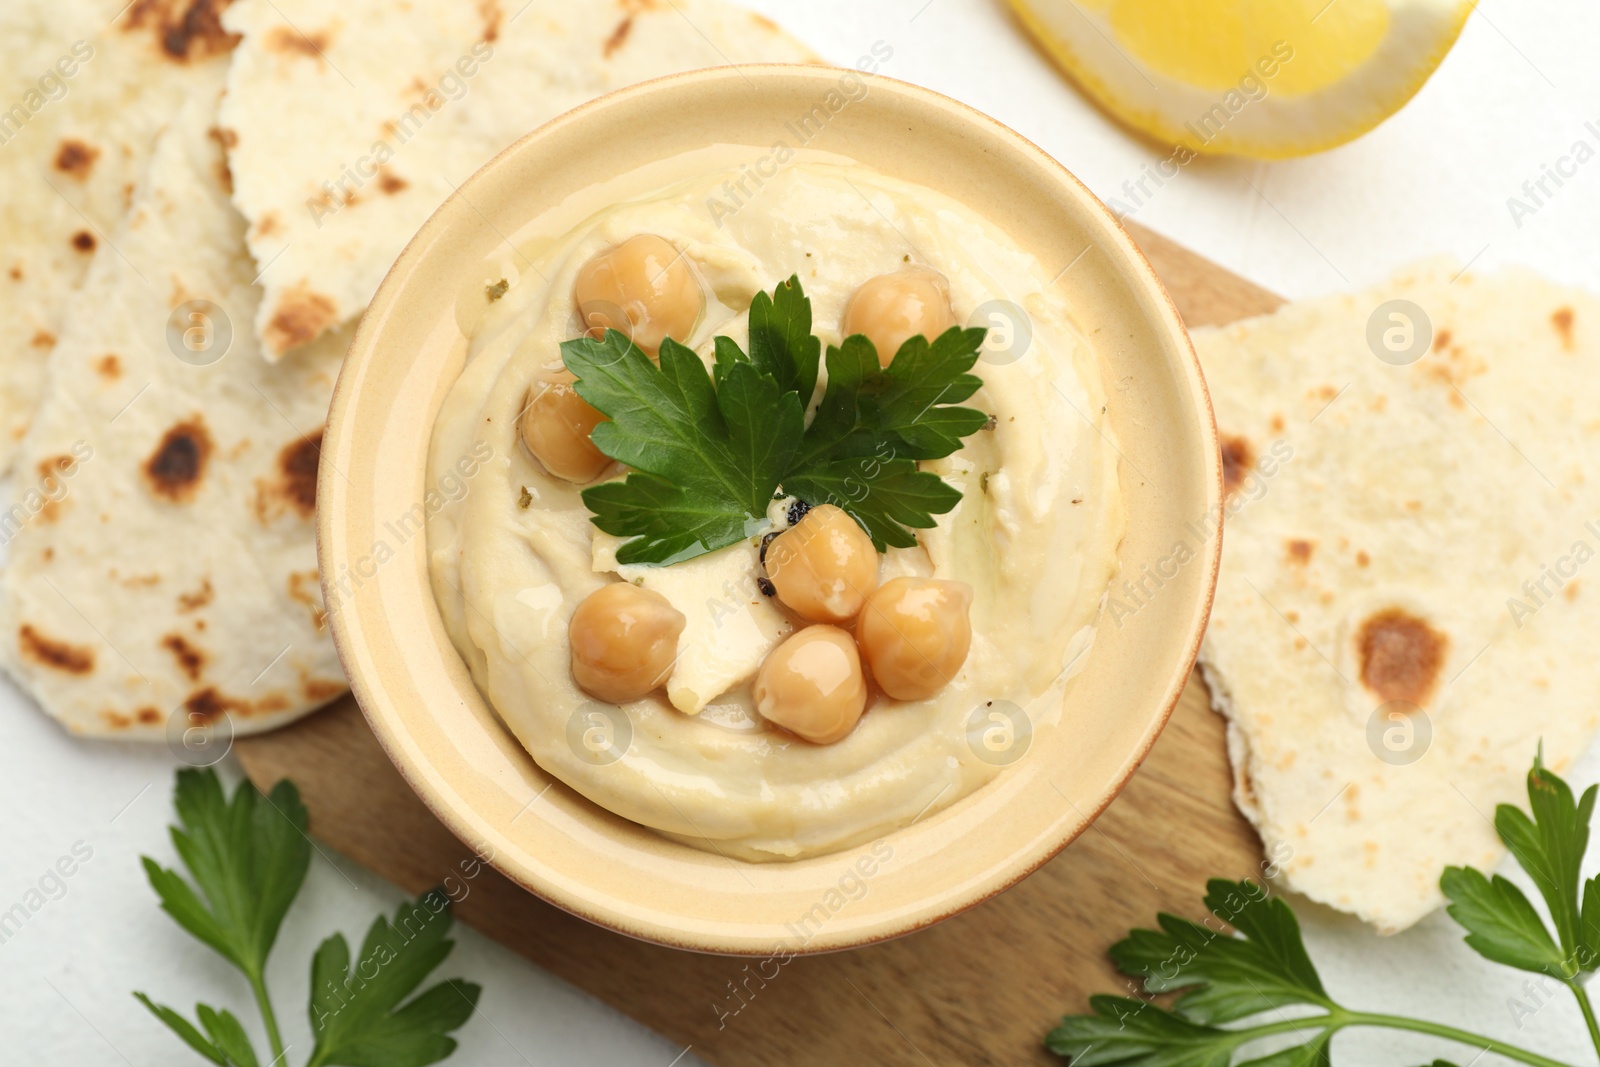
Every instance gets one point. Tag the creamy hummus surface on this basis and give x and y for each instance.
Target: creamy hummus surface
(1035, 534)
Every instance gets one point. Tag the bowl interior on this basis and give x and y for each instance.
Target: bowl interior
(436, 727)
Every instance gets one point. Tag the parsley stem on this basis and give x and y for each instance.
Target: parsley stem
(1449, 1033)
(258, 986)
(1588, 1011)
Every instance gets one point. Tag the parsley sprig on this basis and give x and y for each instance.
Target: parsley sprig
(710, 450)
(247, 860)
(1265, 968)
(1501, 922)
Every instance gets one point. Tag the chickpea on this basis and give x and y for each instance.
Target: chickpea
(893, 307)
(555, 425)
(915, 634)
(824, 566)
(812, 684)
(624, 641)
(643, 287)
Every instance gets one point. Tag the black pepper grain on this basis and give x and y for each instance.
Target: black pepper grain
(766, 587)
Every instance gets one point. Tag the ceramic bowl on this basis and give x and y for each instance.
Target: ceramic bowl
(470, 770)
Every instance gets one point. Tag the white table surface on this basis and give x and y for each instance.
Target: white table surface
(1514, 95)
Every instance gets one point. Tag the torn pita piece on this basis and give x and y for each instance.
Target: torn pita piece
(349, 124)
(162, 569)
(1410, 593)
(85, 87)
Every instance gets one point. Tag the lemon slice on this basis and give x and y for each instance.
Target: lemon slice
(1263, 78)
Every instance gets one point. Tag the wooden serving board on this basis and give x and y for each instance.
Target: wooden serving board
(981, 988)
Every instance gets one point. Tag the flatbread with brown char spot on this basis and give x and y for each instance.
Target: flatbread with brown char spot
(1406, 607)
(349, 124)
(162, 569)
(177, 467)
(1400, 657)
(85, 87)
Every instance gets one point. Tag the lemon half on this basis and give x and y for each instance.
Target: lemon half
(1263, 78)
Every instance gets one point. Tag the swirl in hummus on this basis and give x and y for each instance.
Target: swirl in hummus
(1033, 537)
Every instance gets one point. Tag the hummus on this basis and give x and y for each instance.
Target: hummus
(1035, 534)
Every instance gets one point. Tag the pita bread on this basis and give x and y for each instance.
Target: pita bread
(350, 124)
(1386, 673)
(83, 99)
(162, 566)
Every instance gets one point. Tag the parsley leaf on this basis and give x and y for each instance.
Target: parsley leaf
(884, 496)
(873, 423)
(706, 460)
(247, 859)
(1228, 977)
(1550, 847)
(356, 1013)
(1125, 1030)
(709, 451)
(1500, 921)
(906, 409)
(229, 1035)
(910, 402)
(239, 1052)
(781, 344)
(833, 430)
